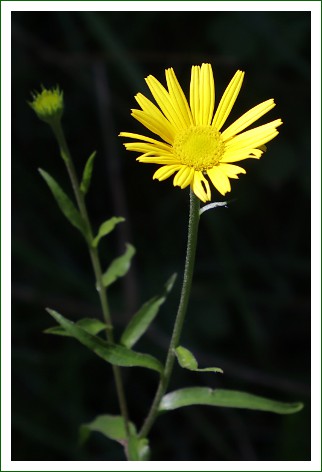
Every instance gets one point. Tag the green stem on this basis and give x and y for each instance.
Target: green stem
(64, 150)
(181, 314)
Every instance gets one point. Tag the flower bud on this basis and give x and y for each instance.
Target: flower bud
(48, 104)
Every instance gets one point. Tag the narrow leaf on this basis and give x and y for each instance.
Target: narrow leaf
(188, 361)
(144, 317)
(170, 283)
(111, 426)
(87, 174)
(90, 325)
(106, 228)
(112, 353)
(119, 266)
(64, 203)
(225, 398)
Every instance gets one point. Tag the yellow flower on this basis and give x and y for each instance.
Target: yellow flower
(193, 144)
(48, 104)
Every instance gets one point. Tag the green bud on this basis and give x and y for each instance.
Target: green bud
(48, 104)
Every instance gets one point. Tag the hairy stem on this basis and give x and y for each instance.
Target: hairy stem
(93, 251)
(181, 314)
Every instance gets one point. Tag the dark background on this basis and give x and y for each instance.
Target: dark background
(250, 303)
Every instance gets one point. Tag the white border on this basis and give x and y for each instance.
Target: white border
(186, 5)
(6, 9)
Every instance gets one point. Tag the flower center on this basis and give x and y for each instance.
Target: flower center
(200, 147)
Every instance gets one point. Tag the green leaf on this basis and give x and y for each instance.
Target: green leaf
(188, 361)
(106, 228)
(111, 426)
(90, 325)
(64, 203)
(87, 174)
(144, 317)
(170, 283)
(225, 398)
(112, 353)
(119, 266)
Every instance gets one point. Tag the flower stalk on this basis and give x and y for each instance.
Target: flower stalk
(181, 314)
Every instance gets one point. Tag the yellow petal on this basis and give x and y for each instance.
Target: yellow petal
(194, 93)
(254, 137)
(231, 171)
(150, 109)
(219, 179)
(147, 148)
(154, 125)
(178, 97)
(200, 186)
(228, 100)
(183, 177)
(206, 94)
(164, 101)
(157, 160)
(247, 119)
(165, 171)
(236, 155)
(160, 144)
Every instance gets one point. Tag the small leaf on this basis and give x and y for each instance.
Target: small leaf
(90, 325)
(64, 203)
(144, 317)
(225, 398)
(111, 426)
(106, 228)
(112, 353)
(119, 266)
(188, 361)
(87, 174)
(170, 283)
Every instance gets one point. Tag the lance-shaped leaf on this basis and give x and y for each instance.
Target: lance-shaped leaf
(119, 266)
(90, 325)
(188, 361)
(112, 353)
(144, 317)
(87, 174)
(111, 426)
(225, 398)
(106, 228)
(64, 203)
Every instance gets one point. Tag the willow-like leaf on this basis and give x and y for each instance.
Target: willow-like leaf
(106, 228)
(225, 398)
(112, 353)
(188, 361)
(111, 426)
(119, 267)
(87, 174)
(65, 204)
(90, 325)
(144, 317)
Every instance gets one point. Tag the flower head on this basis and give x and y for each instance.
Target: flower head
(48, 104)
(194, 145)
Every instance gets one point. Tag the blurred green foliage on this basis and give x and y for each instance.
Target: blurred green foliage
(250, 304)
